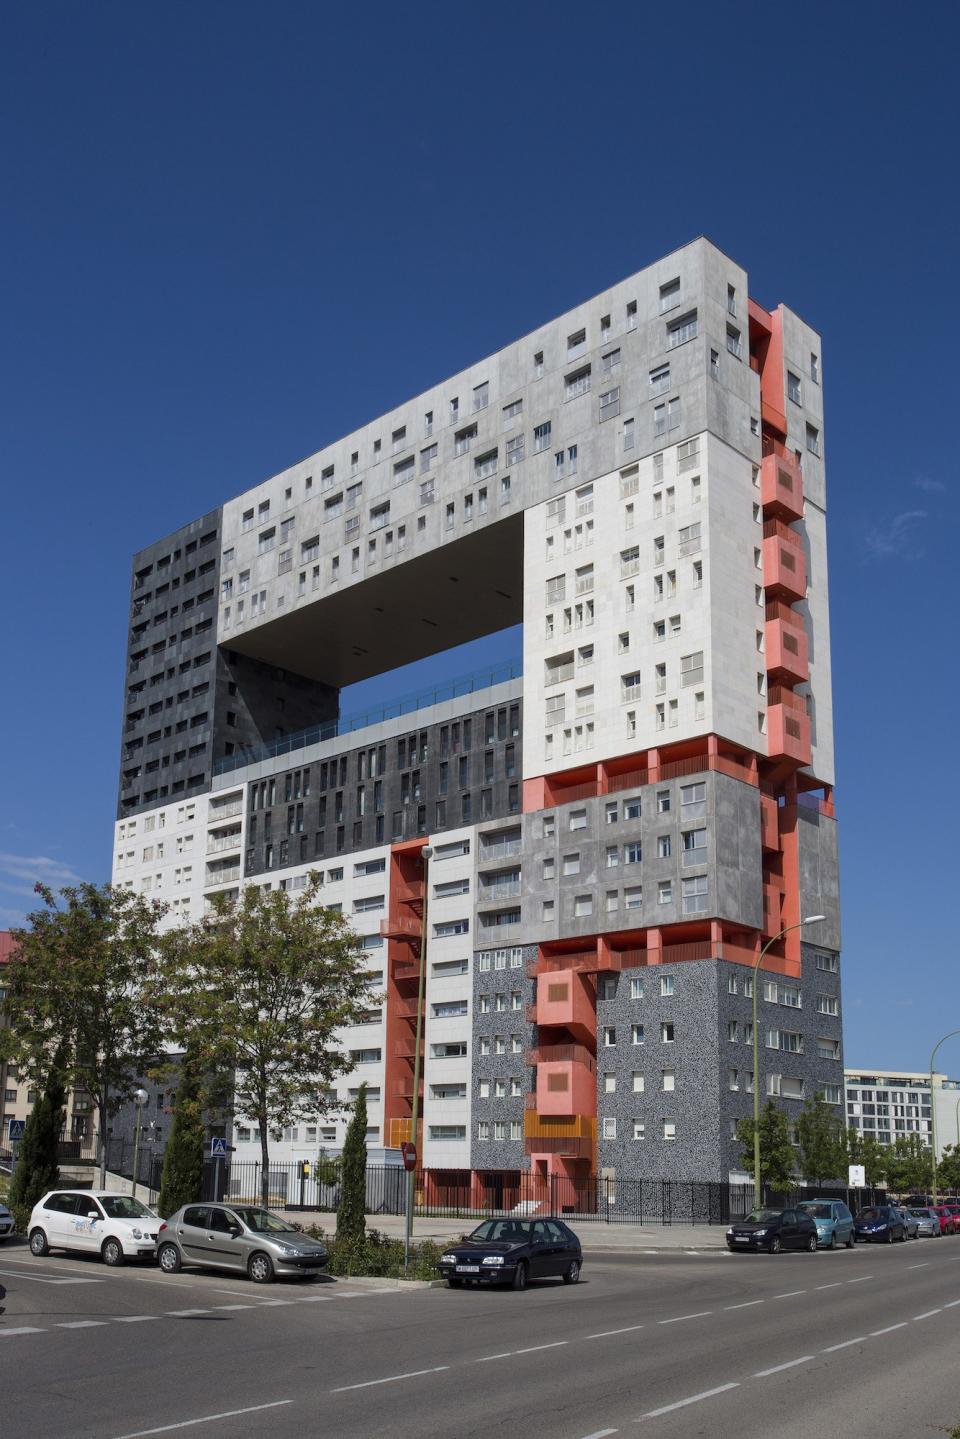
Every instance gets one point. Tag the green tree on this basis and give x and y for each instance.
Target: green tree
(948, 1170)
(777, 1157)
(77, 985)
(822, 1140)
(866, 1150)
(907, 1164)
(37, 1169)
(273, 976)
(351, 1212)
(182, 1178)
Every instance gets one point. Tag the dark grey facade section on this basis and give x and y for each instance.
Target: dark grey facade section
(510, 1067)
(819, 872)
(429, 780)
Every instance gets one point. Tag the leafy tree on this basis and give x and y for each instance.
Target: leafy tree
(822, 1140)
(866, 1150)
(948, 1170)
(77, 986)
(907, 1164)
(37, 1169)
(273, 977)
(351, 1213)
(182, 1179)
(777, 1156)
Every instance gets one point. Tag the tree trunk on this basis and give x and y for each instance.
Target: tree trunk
(264, 1160)
(102, 1111)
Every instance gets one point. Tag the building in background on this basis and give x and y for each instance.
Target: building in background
(619, 820)
(892, 1104)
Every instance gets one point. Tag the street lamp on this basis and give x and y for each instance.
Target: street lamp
(140, 1097)
(426, 854)
(810, 919)
(933, 1117)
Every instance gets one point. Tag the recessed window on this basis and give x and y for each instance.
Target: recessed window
(794, 391)
(813, 440)
(669, 295)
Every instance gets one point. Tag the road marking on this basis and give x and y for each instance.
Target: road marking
(487, 1357)
(82, 1324)
(747, 1304)
(861, 1280)
(790, 1294)
(557, 1344)
(370, 1383)
(7, 1333)
(919, 1266)
(218, 1307)
(270, 1303)
(185, 1313)
(605, 1334)
(36, 1279)
(134, 1318)
(322, 1298)
(694, 1399)
(832, 1348)
(779, 1368)
(875, 1333)
(701, 1314)
(205, 1419)
(601, 1433)
(837, 1284)
(953, 1304)
(927, 1314)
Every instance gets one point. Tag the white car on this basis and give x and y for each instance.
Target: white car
(116, 1226)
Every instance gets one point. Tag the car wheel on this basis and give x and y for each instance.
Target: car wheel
(889, 1236)
(169, 1259)
(851, 1240)
(260, 1268)
(811, 1244)
(454, 1281)
(520, 1276)
(572, 1272)
(38, 1243)
(111, 1252)
(834, 1241)
(774, 1246)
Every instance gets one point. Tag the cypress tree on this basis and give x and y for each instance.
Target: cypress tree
(182, 1178)
(351, 1212)
(37, 1169)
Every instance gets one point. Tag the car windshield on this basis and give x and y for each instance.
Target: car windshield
(817, 1211)
(124, 1206)
(920, 1213)
(873, 1214)
(502, 1231)
(763, 1216)
(261, 1221)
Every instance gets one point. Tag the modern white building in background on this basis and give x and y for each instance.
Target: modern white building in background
(619, 820)
(892, 1104)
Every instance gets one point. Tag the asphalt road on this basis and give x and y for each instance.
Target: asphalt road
(862, 1343)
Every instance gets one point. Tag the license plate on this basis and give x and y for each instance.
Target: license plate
(468, 1268)
(314, 1270)
(740, 1239)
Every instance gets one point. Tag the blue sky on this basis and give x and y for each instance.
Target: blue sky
(232, 232)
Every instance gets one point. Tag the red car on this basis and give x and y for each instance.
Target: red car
(947, 1214)
(955, 1211)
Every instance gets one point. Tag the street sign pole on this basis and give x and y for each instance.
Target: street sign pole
(218, 1151)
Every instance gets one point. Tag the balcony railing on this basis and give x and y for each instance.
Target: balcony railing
(561, 1054)
(228, 811)
(217, 846)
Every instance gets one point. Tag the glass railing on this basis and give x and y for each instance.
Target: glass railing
(393, 709)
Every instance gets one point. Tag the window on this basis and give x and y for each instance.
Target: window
(578, 819)
(665, 891)
(669, 295)
(829, 963)
(682, 330)
(694, 893)
(659, 380)
(538, 365)
(481, 396)
(668, 1080)
(629, 434)
(610, 404)
(794, 391)
(514, 450)
(633, 852)
(828, 1004)
(541, 437)
(669, 1129)
(582, 906)
(485, 465)
(813, 440)
(609, 1035)
(636, 989)
(609, 1127)
(814, 368)
(610, 361)
(633, 896)
(663, 846)
(715, 364)
(636, 1034)
(577, 383)
(512, 414)
(734, 343)
(639, 1129)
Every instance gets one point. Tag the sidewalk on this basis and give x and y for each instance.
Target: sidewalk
(593, 1234)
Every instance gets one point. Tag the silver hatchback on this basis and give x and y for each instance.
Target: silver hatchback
(237, 1236)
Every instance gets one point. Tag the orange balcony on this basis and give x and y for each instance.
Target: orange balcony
(769, 826)
(565, 1087)
(784, 563)
(781, 487)
(574, 1136)
(787, 649)
(565, 999)
(788, 726)
(400, 926)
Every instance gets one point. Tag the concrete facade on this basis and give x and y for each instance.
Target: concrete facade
(650, 791)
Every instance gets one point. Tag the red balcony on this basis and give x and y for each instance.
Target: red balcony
(784, 563)
(551, 1053)
(787, 648)
(565, 999)
(400, 926)
(781, 487)
(565, 1087)
(788, 726)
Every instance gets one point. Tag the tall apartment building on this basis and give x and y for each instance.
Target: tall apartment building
(892, 1104)
(619, 822)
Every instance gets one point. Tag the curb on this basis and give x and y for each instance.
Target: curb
(366, 1281)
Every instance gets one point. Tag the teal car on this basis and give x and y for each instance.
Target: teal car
(833, 1220)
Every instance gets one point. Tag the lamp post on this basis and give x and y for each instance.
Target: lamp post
(426, 854)
(933, 1117)
(810, 919)
(140, 1097)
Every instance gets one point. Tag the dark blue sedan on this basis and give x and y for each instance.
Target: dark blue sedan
(511, 1251)
(880, 1224)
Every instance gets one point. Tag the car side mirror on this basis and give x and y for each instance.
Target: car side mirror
(235, 1231)
(92, 1215)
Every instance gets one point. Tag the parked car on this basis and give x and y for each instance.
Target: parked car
(955, 1211)
(237, 1236)
(6, 1223)
(879, 1222)
(511, 1251)
(116, 1226)
(773, 1230)
(948, 1223)
(833, 1220)
(910, 1223)
(928, 1222)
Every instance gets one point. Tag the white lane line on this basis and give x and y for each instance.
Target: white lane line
(8, 1333)
(837, 1284)
(487, 1357)
(832, 1348)
(606, 1333)
(36, 1278)
(927, 1314)
(218, 1307)
(875, 1333)
(779, 1368)
(134, 1318)
(234, 1293)
(534, 1348)
(184, 1313)
(953, 1304)
(694, 1399)
(268, 1303)
(82, 1324)
(861, 1280)
(790, 1294)
(371, 1383)
(701, 1314)
(317, 1299)
(205, 1419)
(919, 1266)
(601, 1433)
(747, 1304)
